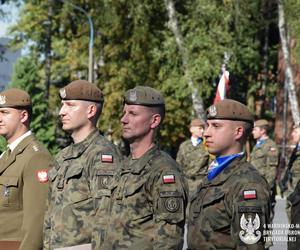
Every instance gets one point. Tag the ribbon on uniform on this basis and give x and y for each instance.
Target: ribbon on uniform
(219, 164)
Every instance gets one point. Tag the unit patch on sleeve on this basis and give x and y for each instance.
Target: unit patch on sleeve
(42, 175)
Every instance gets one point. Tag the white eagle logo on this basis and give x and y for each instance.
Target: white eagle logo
(250, 233)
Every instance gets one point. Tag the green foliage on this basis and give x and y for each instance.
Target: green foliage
(133, 45)
(26, 77)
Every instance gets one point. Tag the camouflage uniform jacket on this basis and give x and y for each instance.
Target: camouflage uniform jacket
(265, 158)
(220, 206)
(144, 207)
(296, 167)
(194, 161)
(23, 193)
(74, 183)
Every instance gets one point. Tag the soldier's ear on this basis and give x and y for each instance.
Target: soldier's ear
(24, 116)
(239, 132)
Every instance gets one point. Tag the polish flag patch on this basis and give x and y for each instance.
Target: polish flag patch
(170, 178)
(249, 194)
(42, 175)
(107, 158)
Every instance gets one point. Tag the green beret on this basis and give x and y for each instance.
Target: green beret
(81, 90)
(261, 123)
(228, 109)
(145, 96)
(14, 98)
(197, 123)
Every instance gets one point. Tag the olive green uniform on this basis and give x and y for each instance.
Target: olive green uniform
(194, 161)
(220, 208)
(296, 168)
(144, 206)
(265, 158)
(23, 192)
(81, 170)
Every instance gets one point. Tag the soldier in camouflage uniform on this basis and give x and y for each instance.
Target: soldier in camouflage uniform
(193, 157)
(294, 168)
(81, 169)
(144, 206)
(23, 175)
(265, 156)
(231, 205)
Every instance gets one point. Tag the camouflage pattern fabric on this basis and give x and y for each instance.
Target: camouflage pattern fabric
(81, 170)
(220, 206)
(194, 161)
(294, 200)
(144, 207)
(296, 170)
(265, 158)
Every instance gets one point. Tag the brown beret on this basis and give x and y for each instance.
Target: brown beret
(14, 98)
(228, 109)
(261, 123)
(81, 90)
(145, 96)
(197, 123)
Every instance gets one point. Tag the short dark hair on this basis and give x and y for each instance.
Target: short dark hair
(159, 109)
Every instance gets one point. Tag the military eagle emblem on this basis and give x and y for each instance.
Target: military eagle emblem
(250, 233)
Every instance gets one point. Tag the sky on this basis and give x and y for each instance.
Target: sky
(9, 19)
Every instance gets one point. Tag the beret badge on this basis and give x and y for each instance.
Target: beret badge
(132, 96)
(62, 93)
(2, 99)
(212, 111)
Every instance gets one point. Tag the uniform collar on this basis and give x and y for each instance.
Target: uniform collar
(76, 149)
(137, 165)
(196, 141)
(16, 142)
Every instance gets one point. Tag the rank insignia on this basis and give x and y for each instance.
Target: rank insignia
(170, 178)
(107, 158)
(249, 194)
(42, 175)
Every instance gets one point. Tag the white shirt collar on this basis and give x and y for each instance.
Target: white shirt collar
(194, 141)
(16, 142)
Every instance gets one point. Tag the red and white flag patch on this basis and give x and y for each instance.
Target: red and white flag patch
(42, 175)
(170, 178)
(107, 158)
(250, 194)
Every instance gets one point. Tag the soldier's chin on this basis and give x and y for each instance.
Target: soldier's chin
(128, 138)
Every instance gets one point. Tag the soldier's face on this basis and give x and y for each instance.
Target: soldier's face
(10, 122)
(138, 122)
(197, 131)
(296, 135)
(257, 133)
(73, 115)
(220, 137)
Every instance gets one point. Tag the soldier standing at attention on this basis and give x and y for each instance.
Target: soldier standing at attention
(80, 171)
(193, 157)
(144, 207)
(292, 175)
(265, 156)
(23, 175)
(231, 205)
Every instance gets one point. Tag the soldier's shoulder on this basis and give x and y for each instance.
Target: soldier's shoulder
(164, 161)
(101, 143)
(248, 173)
(186, 143)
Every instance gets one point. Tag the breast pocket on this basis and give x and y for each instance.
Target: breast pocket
(136, 201)
(10, 191)
(214, 211)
